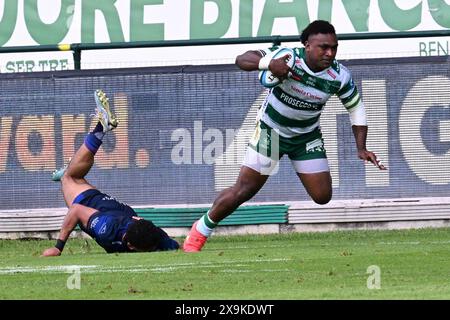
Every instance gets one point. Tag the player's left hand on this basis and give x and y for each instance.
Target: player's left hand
(51, 252)
(369, 156)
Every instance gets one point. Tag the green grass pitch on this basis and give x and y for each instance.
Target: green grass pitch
(406, 264)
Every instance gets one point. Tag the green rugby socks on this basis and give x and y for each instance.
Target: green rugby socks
(205, 225)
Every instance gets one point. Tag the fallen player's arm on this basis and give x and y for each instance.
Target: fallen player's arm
(69, 223)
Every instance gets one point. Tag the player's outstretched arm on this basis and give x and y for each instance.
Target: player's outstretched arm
(70, 221)
(253, 60)
(360, 133)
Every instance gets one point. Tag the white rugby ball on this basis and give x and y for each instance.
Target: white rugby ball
(266, 77)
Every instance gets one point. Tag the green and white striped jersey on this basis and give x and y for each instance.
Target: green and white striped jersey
(294, 107)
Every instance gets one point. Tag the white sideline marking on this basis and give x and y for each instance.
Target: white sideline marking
(321, 244)
(137, 268)
(49, 269)
(247, 271)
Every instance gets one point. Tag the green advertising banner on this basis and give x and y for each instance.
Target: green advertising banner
(62, 22)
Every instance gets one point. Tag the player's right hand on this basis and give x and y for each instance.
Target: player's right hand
(51, 252)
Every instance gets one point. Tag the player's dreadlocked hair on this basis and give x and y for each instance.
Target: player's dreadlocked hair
(315, 27)
(143, 235)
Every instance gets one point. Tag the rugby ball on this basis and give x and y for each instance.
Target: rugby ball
(266, 77)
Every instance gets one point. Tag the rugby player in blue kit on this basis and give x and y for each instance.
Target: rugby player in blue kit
(115, 226)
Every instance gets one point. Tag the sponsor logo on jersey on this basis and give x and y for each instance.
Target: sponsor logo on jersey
(94, 222)
(331, 73)
(315, 146)
(109, 198)
(307, 94)
(102, 229)
(297, 103)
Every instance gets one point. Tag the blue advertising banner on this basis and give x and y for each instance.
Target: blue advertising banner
(183, 132)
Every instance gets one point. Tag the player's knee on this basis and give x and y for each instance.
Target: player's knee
(322, 199)
(66, 181)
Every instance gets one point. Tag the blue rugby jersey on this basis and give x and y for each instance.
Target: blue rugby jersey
(108, 229)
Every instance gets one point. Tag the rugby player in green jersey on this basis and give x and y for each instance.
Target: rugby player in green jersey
(288, 123)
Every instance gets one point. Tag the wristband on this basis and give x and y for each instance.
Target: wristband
(358, 115)
(264, 63)
(60, 245)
